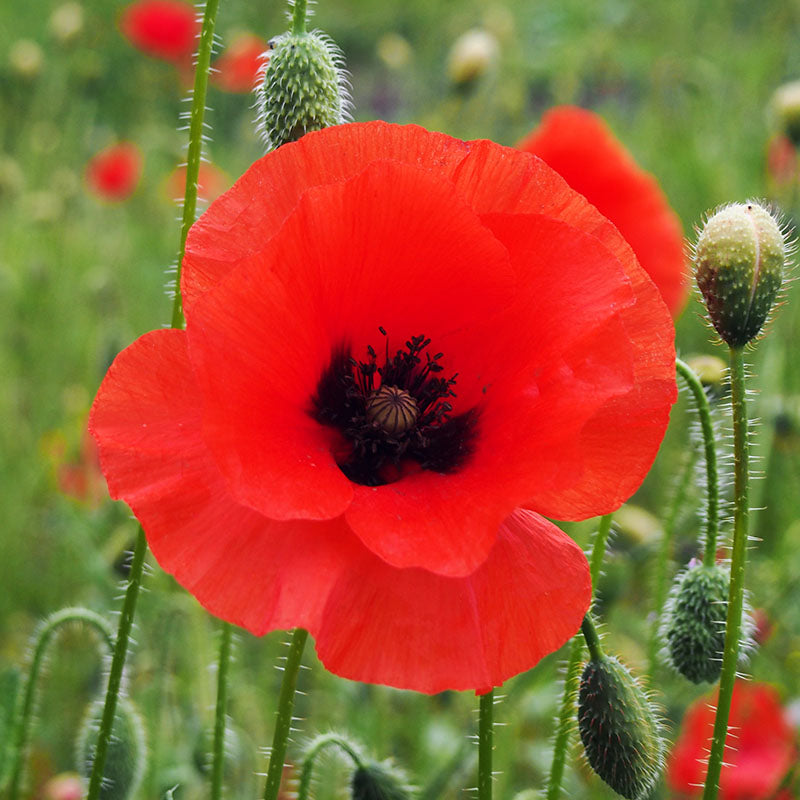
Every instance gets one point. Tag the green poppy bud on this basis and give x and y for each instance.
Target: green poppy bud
(739, 260)
(379, 781)
(304, 88)
(785, 108)
(619, 728)
(126, 755)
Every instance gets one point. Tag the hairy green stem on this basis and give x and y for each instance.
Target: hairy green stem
(572, 676)
(218, 764)
(284, 717)
(320, 744)
(195, 151)
(485, 745)
(709, 444)
(741, 514)
(41, 639)
(299, 13)
(117, 665)
(592, 639)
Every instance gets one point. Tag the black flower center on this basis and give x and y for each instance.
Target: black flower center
(394, 413)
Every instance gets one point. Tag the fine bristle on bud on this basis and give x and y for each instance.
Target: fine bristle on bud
(379, 781)
(126, 755)
(303, 87)
(739, 261)
(619, 728)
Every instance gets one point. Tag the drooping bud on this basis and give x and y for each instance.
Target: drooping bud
(619, 728)
(713, 374)
(302, 86)
(126, 755)
(739, 260)
(785, 107)
(471, 56)
(694, 622)
(379, 781)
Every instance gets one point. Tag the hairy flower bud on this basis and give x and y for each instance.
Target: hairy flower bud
(379, 781)
(619, 728)
(739, 260)
(126, 755)
(302, 88)
(785, 107)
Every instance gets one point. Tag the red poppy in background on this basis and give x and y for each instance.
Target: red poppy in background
(237, 68)
(113, 173)
(401, 350)
(211, 182)
(579, 146)
(759, 752)
(165, 29)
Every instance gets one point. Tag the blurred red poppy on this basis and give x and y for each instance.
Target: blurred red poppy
(401, 350)
(237, 68)
(579, 146)
(211, 182)
(782, 160)
(759, 752)
(165, 29)
(113, 174)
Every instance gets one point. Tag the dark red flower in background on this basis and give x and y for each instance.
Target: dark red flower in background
(113, 174)
(237, 68)
(400, 351)
(759, 752)
(579, 146)
(165, 29)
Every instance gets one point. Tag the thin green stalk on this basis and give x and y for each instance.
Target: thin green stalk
(485, 745)
(572, 676)
(299, 17)
(592, 639)
(709, 444)
(218, 765)
(320, 744)
(195, 151)
(42, 638)
(284, 718)
(741, 514)
(117, 665)
(662, 560)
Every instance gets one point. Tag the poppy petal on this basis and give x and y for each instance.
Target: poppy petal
(530, 595)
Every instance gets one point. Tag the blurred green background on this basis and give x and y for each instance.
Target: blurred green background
(685, 85)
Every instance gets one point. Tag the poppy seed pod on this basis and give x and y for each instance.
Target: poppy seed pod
(619, 728)
(302, 88)
(739, 260)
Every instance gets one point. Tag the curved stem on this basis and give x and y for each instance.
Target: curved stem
(316, 748)
(218, 765)
(741, 514)
(592, 639)
(117, 665)
(195, 151)
(284, 719)
(572, 676)
(42, 639)
(485, 745)
(712, 480)
(299, 14)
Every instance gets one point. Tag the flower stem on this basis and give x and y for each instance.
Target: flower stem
(712, 480)
(42, 638)
(320, 744)
(284, 717)
(485, 745)
(741, 514)
(299, 13)
(117, 664)
(572, 676)
(592, 639)
(195, 151)
(218, 765)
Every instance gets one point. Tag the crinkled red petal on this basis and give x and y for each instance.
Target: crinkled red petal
(406, 628)
(579, 146)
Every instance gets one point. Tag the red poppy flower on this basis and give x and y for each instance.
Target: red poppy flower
(211, 182)
(237, 68)
(782, 160)
(165, 29)
(579, 146)
(760, 750)
(113, 173)
(400, 350)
